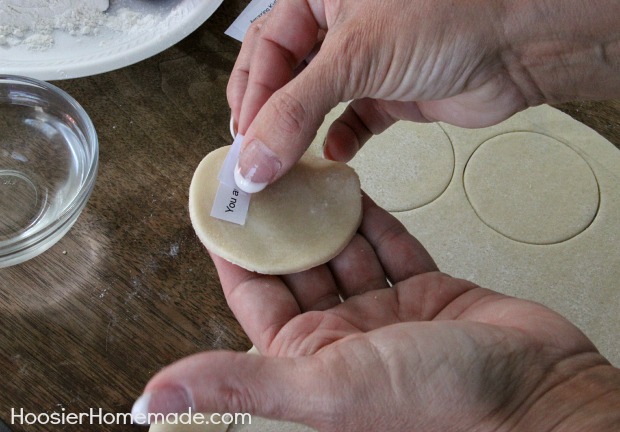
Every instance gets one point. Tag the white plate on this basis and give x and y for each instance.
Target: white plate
(77, 56)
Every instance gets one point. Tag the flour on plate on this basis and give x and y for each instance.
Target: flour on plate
(34, 23)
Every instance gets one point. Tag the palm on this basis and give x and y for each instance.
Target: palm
(427, 337)
(463, 305)
(344, 350)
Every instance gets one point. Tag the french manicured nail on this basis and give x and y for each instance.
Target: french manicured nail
(257, 166)
(165, 400)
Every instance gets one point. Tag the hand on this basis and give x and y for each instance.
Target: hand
(471, 64)
(429, 353)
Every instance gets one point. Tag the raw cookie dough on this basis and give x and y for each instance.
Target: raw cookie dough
(403, 168)
(303, 220)
(577, 277)
(531, 188)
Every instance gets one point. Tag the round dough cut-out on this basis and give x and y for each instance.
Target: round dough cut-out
(407, 166)
(531, 188)
(304, 219)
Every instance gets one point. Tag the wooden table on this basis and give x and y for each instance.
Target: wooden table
(130, 289)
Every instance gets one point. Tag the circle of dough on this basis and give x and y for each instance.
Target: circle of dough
(531, 188)
(407, 166)
(304, 219)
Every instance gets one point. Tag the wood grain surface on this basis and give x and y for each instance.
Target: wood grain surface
(130, 289)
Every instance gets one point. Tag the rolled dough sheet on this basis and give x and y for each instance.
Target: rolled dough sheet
(539, 177)
(428, 173)
(303, 220)
(577, 271)
(551, 194)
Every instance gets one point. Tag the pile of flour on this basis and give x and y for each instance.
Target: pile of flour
(33, 23)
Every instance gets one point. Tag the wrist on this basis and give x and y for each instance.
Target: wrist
(559, 50)
(580, 394)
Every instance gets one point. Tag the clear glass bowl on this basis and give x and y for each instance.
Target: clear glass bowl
(48, 165)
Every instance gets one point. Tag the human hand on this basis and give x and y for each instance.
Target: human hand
(396, 59)
(470, 64)
(429, 353)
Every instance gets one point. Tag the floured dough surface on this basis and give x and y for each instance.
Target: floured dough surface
(531, 188)
(404, 168)
(303, 220)
(402, 184)
(560, 245)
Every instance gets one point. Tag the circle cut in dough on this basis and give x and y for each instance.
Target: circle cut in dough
(304, 219)
(407, 166)
(531, 188)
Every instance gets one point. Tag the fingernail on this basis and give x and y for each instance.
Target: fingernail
(257, 166)
(233, 127)
(326, 153)
(165, 400)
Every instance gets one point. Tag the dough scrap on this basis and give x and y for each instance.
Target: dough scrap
(303, 220)
(531, 188)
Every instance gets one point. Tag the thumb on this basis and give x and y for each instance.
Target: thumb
(286, 125)
(229, 382)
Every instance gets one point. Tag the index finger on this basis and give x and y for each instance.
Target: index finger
(284, 41)
(238, 80)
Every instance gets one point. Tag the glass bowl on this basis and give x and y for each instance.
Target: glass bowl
(48, 165)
